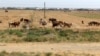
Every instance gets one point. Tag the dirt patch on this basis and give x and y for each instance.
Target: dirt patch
(92, 48)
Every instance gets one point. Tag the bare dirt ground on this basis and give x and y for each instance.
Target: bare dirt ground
(91, 48)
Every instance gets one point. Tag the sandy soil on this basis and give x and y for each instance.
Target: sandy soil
(92, 48)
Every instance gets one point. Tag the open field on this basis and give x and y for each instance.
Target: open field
(70, 17)
(86, 14)
(69, 38)
(79, 32)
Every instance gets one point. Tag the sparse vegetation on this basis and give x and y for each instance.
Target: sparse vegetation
(49, 35)
(3, 53)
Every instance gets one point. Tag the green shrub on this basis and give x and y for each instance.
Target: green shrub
(19, 33)
(38, 54)
(48, 54)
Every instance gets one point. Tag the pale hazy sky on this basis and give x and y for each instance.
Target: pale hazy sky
(51, 3)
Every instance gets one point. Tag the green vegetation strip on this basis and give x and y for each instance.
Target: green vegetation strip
(49, 35)
(4, 53)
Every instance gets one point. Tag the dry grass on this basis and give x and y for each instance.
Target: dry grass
(15, 15)
(70, 17)
(4, 53)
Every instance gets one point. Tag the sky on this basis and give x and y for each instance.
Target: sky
(51, 3)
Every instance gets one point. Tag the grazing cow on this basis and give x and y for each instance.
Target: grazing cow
(52, 19)
(82, 22)
(42, 22)
(56, 23)
(93, 23)
(67, 24)
(6, 10)
(14, 24)
(0, 21)
(25, 20)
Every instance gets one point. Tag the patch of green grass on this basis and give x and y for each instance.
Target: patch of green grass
(19, 33)
(4, 53)
(49, 35)
(48, 54)
(37, 35)
(38, 54)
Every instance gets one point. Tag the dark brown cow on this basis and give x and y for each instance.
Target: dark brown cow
(93, 23)
(82, 22)
(67, 24)
(6, 10)
(25, 20)
(56, 23)
(52, 19)
(14, 24)
(0, 21)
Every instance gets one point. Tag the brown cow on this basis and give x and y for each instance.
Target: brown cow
(6, 10)
(52, 19)
(67, 24)
(14, 24)
(0, 21)
(25, 20)
(93, 23)
(56, 23)
(82, 22)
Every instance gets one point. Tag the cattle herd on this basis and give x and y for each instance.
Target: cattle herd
(42, 22)
(53, 21)
(17, 23)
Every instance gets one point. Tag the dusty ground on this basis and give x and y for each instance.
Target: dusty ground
(15, 15)
(91, 48)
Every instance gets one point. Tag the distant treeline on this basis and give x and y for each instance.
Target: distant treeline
(36, 8)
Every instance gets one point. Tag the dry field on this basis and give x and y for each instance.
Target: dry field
(70, 49)
(70, 17)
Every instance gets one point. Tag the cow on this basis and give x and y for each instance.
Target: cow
(14, 24)
(6, 10)
(67, 24)
(25, 20)
(82, 22)
(93, 23)
(56, 23)
(42, 22)
(52, 19)
(0, 21)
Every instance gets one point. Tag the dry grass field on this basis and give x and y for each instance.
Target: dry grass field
(70, 17)
(49, 35)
